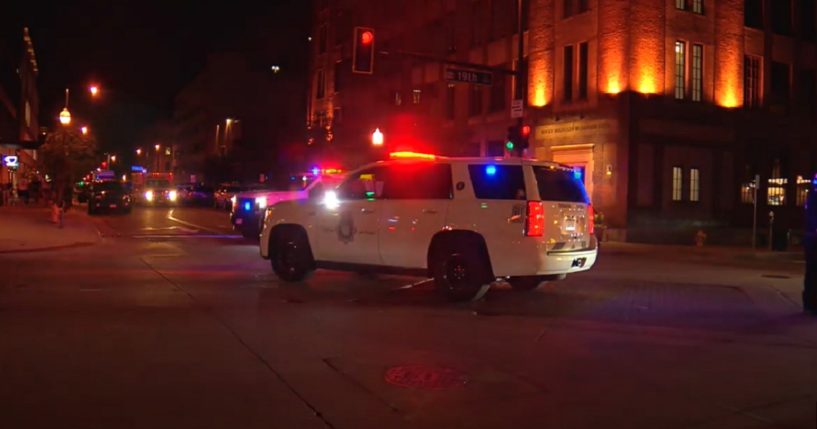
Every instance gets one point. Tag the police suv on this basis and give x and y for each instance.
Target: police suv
(463, 221)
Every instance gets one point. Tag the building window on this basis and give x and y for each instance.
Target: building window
(450, 101)
(583, 71)
(320, 84)
(747, 192)
(752, 82)
(777, 192)
(694, 185)
(753, 13)
(781, 16)
(781, 83)
(697, 72)
(322, 35)
(475, 105)
(416, 96)
(568, 73)
(498, 94)
(803, 185)
(28, 114)
(698, 6)
(568, 8)
(337, 77)
(680, 70)
(807, 12)
(680, 4)
(677, 183)
(807, 91)
(584, 6)
(398, 98)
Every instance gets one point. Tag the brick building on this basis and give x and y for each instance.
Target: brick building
(671, 107)
(19, 103)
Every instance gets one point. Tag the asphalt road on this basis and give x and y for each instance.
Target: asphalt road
(174, 321)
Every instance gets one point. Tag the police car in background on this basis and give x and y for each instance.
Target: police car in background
(463, 221)
(248, 207)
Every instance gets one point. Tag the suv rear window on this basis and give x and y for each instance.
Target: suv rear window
(558, 184)
(497, 182)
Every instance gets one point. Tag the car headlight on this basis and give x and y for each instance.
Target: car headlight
(149, 195)
(330, 200)
(261, 202)
(172, 195)
(232, 200)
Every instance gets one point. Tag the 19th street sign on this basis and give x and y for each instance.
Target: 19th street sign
(469, 76)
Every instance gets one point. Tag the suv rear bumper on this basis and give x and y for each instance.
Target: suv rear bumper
(532, 258)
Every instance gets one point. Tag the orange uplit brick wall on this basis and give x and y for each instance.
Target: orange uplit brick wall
(729, 50)
(646, 46)
(540, 56)
(613, 36)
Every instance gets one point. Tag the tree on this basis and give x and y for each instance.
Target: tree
(66, 156)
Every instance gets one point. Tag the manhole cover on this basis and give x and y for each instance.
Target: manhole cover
(425, 377)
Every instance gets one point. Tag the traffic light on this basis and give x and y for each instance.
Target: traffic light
(518, 137)
(363, 50)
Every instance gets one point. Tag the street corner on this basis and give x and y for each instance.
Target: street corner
(31, 229)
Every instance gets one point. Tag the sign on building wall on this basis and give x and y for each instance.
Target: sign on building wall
(11, 162)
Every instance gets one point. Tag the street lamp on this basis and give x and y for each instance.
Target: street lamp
(84, 131)
(113, 158)
(157, 147)
(377, 137)
(65, 116)
(94, 90)
(139, 151)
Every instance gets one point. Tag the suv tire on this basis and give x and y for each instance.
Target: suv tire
(460, 271)
(290, 255)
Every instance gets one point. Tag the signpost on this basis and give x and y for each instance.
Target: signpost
(517, 108)
(469, 76)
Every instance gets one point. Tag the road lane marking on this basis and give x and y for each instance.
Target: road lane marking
(192, 225)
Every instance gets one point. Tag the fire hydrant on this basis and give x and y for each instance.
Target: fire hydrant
(700, 238)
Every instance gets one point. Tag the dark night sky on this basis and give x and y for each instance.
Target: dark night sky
(143, 52)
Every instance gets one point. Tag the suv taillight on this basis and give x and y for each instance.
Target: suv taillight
(535, 219)
(591, 220)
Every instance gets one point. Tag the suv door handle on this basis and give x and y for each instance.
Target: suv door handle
(429, 211)
(367, 211)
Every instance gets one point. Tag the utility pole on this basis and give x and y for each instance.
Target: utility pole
(520, 88)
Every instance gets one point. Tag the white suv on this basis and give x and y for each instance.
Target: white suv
(463, 221)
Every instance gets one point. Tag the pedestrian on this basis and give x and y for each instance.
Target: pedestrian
(810, 248)
(22, 190)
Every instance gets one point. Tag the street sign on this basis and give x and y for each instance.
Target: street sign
(11, 162)
(517, 109)
(469, 76)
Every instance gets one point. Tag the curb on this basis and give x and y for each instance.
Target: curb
(50, 248)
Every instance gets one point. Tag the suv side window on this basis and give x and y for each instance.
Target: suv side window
(498, 182)
(363, 185)
(420, 181)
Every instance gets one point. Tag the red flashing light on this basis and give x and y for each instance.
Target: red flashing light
(366, 37)
(591, 220)
(412, 155)
(535, 222)
(525, 131)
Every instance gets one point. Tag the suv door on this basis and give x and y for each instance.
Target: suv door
(415, 205)
(348, 233)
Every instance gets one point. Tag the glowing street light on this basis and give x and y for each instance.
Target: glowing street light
(377, 137)
(84, 131)
(139, 151)
(94, 90)
(113, 158)
(157, 147)
(65, 116)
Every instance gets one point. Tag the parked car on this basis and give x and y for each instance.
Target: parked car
(109, 196)
(224, 195)
(198, 195)
(465, 222)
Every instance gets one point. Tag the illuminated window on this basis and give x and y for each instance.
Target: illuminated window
(747, 192)
(698, 6)
(398, 98)
(416, 96)
(803, 186)
(568, 73)
(680, 70)
(677, 183)
(583, 71)
(694, 185)
(680, 4)
(320, 83)
(752, 82)
(777, 192)
(697, 72)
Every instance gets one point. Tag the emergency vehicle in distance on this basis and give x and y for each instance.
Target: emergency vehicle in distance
(465, 222)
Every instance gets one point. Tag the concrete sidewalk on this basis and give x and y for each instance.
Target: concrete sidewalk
(708, 254)
(29, 229)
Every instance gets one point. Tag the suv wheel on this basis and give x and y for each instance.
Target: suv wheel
(460, 272)
(290, 255)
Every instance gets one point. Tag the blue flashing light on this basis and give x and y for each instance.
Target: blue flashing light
(577, 174)
(316, 171)
(490, 170)
(247, 206)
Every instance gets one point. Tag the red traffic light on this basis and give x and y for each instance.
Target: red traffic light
(366, 37)
(525, 131)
